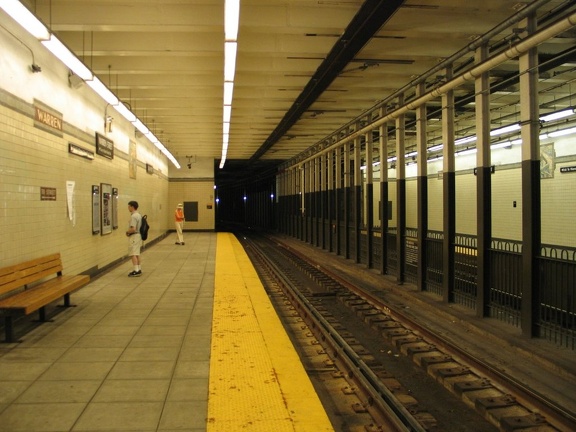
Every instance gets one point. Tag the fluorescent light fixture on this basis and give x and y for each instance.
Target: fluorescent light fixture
(465, 140)
(152, 138)
(173, 160)
(36, 28)
(227, 113)
(228, 92)
(231, 19)
(104, 92)
(223, 159)
(225, 128)
(68, 58)
(436, 147)
(141, 127)
(557, 115)
(230, 49)
(231, 24)
(505, 129)
(506, 144)
(125, 112)
(562, 132)
(25, 18)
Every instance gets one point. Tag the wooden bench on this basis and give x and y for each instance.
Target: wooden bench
(32, 285)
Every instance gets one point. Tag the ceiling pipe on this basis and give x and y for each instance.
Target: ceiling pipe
(368, 20)
(471, 47)
(471, 75)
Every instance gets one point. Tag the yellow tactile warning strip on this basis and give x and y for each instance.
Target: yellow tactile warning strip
(257, 381)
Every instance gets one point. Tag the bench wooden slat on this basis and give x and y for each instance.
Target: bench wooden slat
(33, 299)
(43, 282)
(18, 275)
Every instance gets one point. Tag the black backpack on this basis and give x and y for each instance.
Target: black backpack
(144, 227)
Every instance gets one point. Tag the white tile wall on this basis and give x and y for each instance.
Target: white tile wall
(30, 159)
(199, 190)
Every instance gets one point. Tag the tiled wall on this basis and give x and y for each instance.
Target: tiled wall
(194, 190)
(558, 203)
(31, 159)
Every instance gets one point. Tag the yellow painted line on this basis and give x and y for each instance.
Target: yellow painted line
(257, 382)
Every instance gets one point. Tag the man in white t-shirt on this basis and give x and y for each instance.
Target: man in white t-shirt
(134, 238)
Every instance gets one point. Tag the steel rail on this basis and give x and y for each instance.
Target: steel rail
(389, 409)
(555, 415)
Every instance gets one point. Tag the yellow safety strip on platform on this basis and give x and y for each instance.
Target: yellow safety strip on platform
(257, 381)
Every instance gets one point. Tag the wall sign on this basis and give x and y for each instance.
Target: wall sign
(569, 169)
(47, 194)
(492, 170)
(79, 151)
(104, 146)
(48, 119)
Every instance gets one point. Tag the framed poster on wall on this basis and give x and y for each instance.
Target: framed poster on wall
(95, 209)
(106, 208)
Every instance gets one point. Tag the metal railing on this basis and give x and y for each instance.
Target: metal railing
(557, 317)
(556, 292)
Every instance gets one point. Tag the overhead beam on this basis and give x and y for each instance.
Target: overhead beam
(367, 21)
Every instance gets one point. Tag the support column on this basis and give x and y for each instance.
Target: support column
(339, 199)
(330, 201)
(323, 201)
(400, 194)
(357, 198)
(422, 185)
(531, 199)
(449, 192)
(316, 192)
(296, 202)
(369, 199)
(483, 186)
(309, 201)
(347, 174)
(291, 193)
(303, 180)
(383, 150)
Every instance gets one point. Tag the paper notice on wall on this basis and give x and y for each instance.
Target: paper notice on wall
(70, 185)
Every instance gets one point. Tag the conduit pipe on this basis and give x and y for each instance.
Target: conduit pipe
(513, 52)
(471, 47)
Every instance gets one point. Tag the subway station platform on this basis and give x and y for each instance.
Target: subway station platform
(191, 345)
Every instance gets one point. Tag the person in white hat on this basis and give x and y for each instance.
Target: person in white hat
(179, 221)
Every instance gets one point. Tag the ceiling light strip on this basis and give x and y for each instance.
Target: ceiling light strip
(36, 28)
(231, 23)
(558, 115)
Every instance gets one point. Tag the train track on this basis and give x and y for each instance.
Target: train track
(500, 400)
